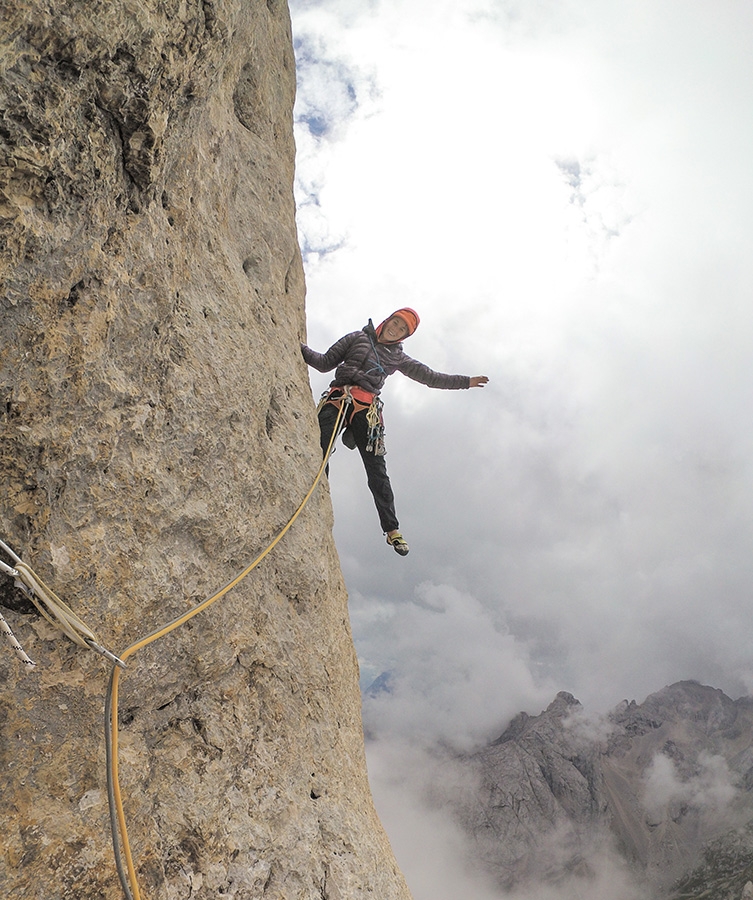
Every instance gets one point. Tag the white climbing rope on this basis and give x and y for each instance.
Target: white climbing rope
(13, 641)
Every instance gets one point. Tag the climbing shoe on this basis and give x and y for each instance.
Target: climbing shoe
(398, 543)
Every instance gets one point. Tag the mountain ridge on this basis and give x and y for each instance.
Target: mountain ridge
(661, 785)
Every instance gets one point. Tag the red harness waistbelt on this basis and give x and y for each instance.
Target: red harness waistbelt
(361, 399)
(361, 395)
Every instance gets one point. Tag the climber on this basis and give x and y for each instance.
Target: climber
(364, 359)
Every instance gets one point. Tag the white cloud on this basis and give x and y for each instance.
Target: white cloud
(563, 191)
(414, 790)
(456, 673)
(409, 786)
(709, 791)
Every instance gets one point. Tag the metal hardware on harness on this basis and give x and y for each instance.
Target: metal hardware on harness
(375, 422)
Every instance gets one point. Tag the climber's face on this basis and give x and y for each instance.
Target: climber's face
(395, 329)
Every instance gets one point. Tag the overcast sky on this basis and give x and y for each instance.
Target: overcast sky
(563, 190)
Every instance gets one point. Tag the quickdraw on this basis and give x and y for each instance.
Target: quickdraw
(376, 428)
(51, 607)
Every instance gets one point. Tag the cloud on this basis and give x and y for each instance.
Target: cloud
(456, 673)
(709, 791)
(587, 728)
(602, 873)
(334, 91)
(563, 191)
(410, 787)
(415, 790)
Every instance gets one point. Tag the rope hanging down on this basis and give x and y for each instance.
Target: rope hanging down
(127, 873)
(4, 626)
(50, 606)
(13, 641)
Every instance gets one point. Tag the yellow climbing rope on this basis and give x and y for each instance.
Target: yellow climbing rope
(117, 816)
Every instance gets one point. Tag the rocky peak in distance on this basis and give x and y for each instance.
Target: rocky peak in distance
(661, 788)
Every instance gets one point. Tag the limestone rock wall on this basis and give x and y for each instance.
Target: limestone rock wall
(156, 430)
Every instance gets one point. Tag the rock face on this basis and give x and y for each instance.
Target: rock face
(157, 432)
(664, 786)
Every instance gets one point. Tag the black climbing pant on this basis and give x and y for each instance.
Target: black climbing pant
(376, 469)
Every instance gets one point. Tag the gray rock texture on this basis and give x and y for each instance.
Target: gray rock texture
(664, 786)
(156, 431)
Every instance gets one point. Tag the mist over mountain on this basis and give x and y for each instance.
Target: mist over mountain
(657, 794)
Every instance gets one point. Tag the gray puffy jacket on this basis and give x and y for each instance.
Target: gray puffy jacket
(363, 361)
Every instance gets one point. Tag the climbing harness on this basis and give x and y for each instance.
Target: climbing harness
(51, 607)
(355, 397)
(127, 873)
(360, 400)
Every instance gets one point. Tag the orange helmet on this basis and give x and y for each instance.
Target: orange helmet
(408, 315)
